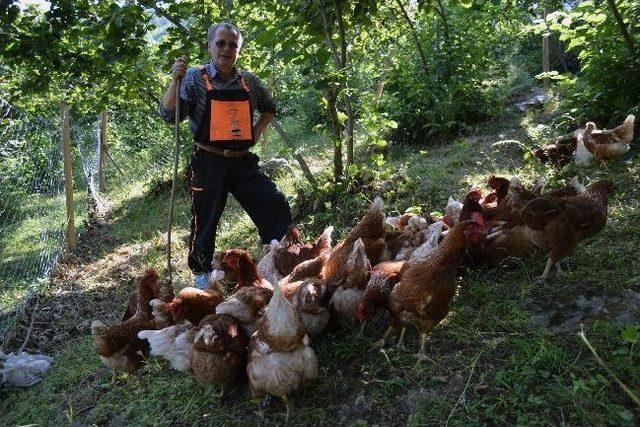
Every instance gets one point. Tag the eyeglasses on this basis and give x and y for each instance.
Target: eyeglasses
(220, 44)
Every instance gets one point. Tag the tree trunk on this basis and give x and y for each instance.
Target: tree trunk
(414, 33)
(343, 68)
(635, 59)
(331, 96)
(327, 31)
(388, 65)
(557, 48)
(335, 125)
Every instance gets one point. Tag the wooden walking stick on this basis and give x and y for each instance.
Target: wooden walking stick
(176, 149)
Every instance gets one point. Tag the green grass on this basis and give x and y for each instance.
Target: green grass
(23, 247)
(491, 363)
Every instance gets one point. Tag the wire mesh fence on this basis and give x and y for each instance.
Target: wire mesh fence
(32, 199)
(137, 157)
(32, 185)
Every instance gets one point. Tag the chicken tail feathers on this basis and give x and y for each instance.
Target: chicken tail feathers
(147, 289)
(371, 225)
(149, 278)
(357, 255)
(100, 342)
(626, 133)
(324, 241)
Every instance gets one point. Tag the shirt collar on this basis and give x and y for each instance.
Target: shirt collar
(213, 72)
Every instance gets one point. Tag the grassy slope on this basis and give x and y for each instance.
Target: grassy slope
(24, 243)
(491, 363)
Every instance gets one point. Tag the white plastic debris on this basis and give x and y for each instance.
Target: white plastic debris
(24, 370)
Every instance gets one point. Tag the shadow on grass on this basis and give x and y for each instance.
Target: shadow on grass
(491, 363)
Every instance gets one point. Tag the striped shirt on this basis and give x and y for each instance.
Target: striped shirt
(193, 94)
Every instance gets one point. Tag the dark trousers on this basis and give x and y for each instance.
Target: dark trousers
(211, 179)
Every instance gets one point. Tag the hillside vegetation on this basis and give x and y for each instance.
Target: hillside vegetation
(507, 353)
(410, 100)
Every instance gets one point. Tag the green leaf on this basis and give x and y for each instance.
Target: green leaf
(625, 415)
(596, 18)
(267, 37)
(631, 333)
(576, 42)
(584, 6)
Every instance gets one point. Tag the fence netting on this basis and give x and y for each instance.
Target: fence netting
(33, 214)
(137, 157)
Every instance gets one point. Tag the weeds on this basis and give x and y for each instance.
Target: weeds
(506, 354)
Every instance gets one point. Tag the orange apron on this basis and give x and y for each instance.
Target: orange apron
(227, 120)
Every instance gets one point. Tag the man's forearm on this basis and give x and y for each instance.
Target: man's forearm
(169, 100)
(261, 125)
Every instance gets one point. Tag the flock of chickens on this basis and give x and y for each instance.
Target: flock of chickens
(407, 266)
(591, 143)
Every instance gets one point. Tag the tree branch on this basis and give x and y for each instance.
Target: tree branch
(327, 33)
(442, 14)
(171, 19)
(296, 155)
(415, 36)
(622, 385)
(623, 28)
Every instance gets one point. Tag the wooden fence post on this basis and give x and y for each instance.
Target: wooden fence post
(65, 131)
(102, 185)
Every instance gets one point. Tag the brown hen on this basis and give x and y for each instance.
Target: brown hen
(423, 295)
(118, 345)
(292, 250)
(345, 298)
(219, 351)
(609, 144)
(559, 153)
(557, 225)
(371, 230)
(246, 305)
(239, 263)
(280, 358)
(384, 277)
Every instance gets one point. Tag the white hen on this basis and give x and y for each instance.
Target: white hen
(174, 343)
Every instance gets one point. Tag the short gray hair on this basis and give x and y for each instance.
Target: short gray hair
(227, 26)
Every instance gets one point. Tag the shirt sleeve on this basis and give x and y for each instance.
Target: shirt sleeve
(187, 97)
(260, 97)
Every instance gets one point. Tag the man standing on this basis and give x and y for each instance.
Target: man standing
(219, 101)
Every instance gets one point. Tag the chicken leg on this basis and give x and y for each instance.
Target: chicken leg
(400, 345)
(381, 342)
(546, 271)
(288, 405)
(422, 356)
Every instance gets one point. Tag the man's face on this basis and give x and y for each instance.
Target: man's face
(224, 48)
